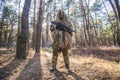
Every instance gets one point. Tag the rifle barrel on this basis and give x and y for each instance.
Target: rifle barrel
(62, 27)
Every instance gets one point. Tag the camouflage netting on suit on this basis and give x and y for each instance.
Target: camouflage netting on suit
(61, 39)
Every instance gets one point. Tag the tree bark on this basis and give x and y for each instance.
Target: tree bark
(1, 25)
(1, 29)
(34, 26)
(54, 9)
(21, 52)
(112, 26)
(19, 20)
(116, 10)
(39, 28)
(47, 30)
(113, 8)
(87, 26)
(118, 27)
(9, 44)
(85, 32)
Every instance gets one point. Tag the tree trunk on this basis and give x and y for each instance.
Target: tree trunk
(47, 31)
(34, 26)
(87, 26)
(1, 25)
(6, 33)
(116, 10)
(19, 20)
(9, 44)
(21, 52)
(112, 26)
(93, 25)
(68, 11)
(68, 7)
(118, 27)
(61, 4)
(39, 28)
(85, 32)
(54, 9)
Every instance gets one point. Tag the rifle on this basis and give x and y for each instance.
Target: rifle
(62, 27)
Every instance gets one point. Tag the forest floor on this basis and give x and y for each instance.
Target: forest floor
(101, 63)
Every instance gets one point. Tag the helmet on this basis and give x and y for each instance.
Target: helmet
(61, 15)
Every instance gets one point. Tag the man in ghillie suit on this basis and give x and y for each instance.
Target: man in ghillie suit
(61, 40)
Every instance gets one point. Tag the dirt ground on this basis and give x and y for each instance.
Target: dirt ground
(101, 63)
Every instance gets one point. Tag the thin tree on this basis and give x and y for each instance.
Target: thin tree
(21, 52)
(86, 29)
(68, 7)
(2, 6)
(39, 28)
(54, 8)
(92, 24)
(12, 20)
(19, 20)
(19, 17)
(112, 26)
(116, 10)
(34, 26)
(47, 29)
(118, 28)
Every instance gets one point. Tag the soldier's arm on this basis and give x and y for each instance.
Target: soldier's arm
(52, 28)
(71, 33)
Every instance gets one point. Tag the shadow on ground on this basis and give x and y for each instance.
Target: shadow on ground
(60, 76)
(6, 71)
(6, 51)
(32, 70)
(111, 54)
(75, 75)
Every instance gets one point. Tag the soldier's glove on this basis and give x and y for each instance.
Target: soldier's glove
(52, 28)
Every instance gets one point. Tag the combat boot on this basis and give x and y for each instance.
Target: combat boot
(52, 69)
(68, 68)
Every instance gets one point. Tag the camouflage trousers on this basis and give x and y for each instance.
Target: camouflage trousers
(55, 56)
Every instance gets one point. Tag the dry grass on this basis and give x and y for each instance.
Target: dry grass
(86, 64)
(94, 63)
(95, 68)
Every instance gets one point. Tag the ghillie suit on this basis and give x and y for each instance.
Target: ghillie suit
(61, 40)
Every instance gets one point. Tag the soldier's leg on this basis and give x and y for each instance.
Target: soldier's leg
(66, 58)
(54, 60)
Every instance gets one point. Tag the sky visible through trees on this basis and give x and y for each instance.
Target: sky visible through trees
(99, 14)
(14, 5)
(26, 43)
